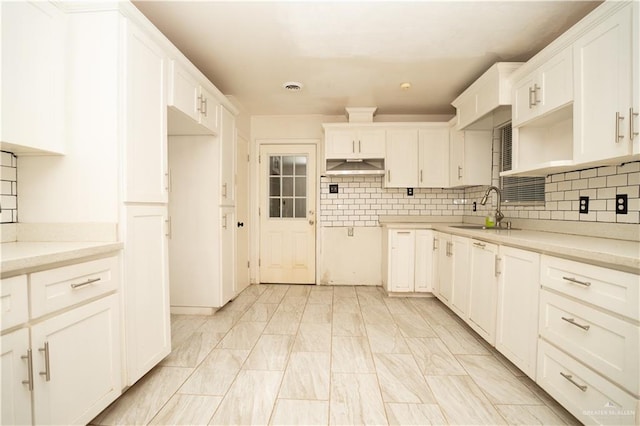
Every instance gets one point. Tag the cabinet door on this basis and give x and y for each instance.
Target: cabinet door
(227, 255)
(79, 352)
(433, 148)
(483, 289)
(371, 143)
(146, 289)
(603, 92)
(517, 309)
(208, 107)
(183, 91)
(402, 158)
(227, 157)
(423, 261)
(33, 79)
(556, 82)
(340, 144)
(401, 260)
(523, 104)
(461, 253)
(445, 269)
(456, 157)
(146, 177)
(16, 397)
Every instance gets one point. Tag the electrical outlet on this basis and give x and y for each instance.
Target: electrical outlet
(410, 192)
(333, 188)
(475, 206)
(584, 205)
(621, 204)
(350, 232)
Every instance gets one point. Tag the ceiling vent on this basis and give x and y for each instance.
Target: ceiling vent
(292, 86)
(360, 114)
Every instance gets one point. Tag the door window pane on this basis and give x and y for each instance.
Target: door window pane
(274, 207)
(287, 186)
(287, 207)
(301, 166)
(274, 165)
(287, 165)
(301, 187)
(301, 208)
(274, 186)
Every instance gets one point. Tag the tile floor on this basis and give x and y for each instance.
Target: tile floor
(313, 355)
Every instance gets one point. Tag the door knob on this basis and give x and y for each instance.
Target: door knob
(240, 224)
(311, 222)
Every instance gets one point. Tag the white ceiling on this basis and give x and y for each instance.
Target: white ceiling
(356, 53)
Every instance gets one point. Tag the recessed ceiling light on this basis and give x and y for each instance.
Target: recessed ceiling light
(292, 86)
(405, 86)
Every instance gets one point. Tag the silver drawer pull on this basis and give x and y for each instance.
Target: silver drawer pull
(573, 280)
(87, 282)
(47, 371)
(29, 358)
(569, 377)
(480, 245)
(573, 322)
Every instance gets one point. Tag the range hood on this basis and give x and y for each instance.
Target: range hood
(371, 167)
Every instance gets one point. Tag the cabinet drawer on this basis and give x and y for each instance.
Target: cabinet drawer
(588, 396)
(613, 290)
(13, 301)
(605, 343)
(58, 288)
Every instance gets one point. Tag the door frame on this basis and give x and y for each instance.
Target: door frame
(255, 200)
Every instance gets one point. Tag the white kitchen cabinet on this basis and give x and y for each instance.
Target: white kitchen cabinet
(33, 86)
(15, 374)
(401, 162)
(15, 301)
(146, 173)
(76, 360)
(470, 155)
(443, 281)
(227, 157)
(483, 278)
(460, 280)
(354, 142)
(146, 290)
(408, 266)
(197, 104)
(517, 308)
(544, 90)
(417, 157)
(603, 89)
(227, 255)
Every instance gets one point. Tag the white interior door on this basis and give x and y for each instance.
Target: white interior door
(287, 214)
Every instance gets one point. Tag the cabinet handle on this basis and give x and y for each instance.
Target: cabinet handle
(224, 218)
(29, 358)
(359, 146)
(353, 146)
(388, 175)
(575, 281)
(632, 132)
(536, 88)
(168, 222)
(619, 135)
(449, 252)
(569, 377)
(420, 175)
(87, 282)
(199, 108)
(459, 172)
(435, 244)
(497, 266)
(47, 372)
(531, 94)
(206, 109)
(481, 245)
(224, 190)
(573, 322)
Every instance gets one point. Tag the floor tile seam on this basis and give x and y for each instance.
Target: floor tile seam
(175, 392)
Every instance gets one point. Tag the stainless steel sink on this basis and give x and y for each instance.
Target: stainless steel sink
(483, 228)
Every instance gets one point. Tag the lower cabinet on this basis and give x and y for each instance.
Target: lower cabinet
(460, 280)
(517, 307)
(483, 286)
(409, 261)
(146, 294)
(63, 365)
(444, 268)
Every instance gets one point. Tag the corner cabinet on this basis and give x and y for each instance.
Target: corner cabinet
(409, 260)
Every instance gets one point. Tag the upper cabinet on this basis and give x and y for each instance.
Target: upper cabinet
(33, 78)
(545, 89)
(194, 109)
(348, 142)
(576, 102)
(603, 110)
(489, 93)
(469, 157)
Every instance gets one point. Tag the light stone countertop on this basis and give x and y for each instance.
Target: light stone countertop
(23, 257)
(611, 253)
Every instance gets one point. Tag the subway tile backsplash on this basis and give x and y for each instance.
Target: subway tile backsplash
(361, 200)
(8, 187)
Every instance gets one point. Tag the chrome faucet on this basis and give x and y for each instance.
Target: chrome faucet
(485, 197)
